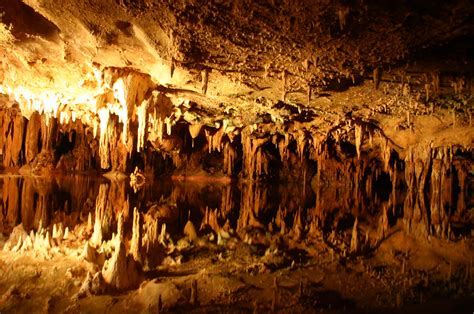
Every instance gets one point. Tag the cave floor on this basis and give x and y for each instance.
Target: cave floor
(238, 277)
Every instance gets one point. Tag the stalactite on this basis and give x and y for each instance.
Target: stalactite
(13, 142)
(252, 202)
(461, 167)
(254, 159)
(359, 137)
(214, 140)
(128, 91)
(383, 224)
(301, 143)
(194, 130)
(283, 146)
(142, 115)
(386, 154)
(104, 116)
(33, 131)
(230, 155)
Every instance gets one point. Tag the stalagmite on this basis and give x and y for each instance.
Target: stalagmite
(355, 239)
(308, 95)
(342, 14)
(204, 80)
(297, 225)
(58, 232)
(190, 231)
(121, 272)
(89, 222)
(283, 82)
(100, 215)
(194, 292)
(136, 243)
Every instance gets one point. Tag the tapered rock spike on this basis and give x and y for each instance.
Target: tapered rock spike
(136, 244)
(359, 136)
(89, 222)
(297, 225)
(162, 236)
(354, 240)
(204, 80)
(309, 95)
(120, 234)
(190, 230)
(342, 14)
(283, 80)
(55, 231)
(97, 235)
(194, 130)
(194, 292)
(160, 304)
(120, 272)
(172, 67)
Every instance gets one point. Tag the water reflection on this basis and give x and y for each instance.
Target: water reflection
(296, 210)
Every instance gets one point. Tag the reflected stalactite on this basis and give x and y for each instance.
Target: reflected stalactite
(11, 202)
(253, 202)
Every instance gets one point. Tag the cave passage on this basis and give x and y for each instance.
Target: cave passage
(236, 156)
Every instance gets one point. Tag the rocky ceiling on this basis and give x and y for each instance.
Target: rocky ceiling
(226, 48)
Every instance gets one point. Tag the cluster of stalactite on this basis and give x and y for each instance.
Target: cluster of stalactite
(134, 122)
(429, 190)
(45, 145)
(437, 189)
(34, 201)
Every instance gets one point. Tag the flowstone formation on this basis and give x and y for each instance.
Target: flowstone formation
(212, 156)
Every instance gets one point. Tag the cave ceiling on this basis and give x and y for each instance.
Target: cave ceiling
(220, 53)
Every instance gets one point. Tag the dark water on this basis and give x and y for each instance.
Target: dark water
(268, 207)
